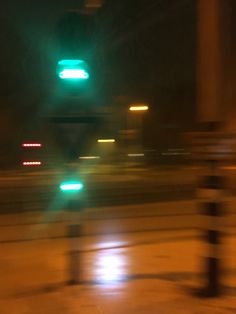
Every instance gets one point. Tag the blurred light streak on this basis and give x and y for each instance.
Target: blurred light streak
(136, 155)
(229, 167)
(111, 245)
(106, 140)
(138, 108)
(32, 163)
(89, 157)
(31, 145)
(71, 186)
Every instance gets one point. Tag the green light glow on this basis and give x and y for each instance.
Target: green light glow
(70, 62)
(72, 69)
(73, 74)
(71, 186)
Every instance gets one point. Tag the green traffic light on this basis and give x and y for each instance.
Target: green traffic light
(74, 74)
(72, 69)
(71, 186)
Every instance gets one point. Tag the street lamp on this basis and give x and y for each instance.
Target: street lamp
(108, 140)
(138, 108)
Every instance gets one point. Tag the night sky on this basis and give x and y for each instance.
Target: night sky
(146, 50)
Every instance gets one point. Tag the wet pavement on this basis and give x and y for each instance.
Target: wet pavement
(137, 273)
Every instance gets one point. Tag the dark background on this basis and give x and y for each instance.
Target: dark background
(145, 50)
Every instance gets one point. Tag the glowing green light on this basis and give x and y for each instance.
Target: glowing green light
(70, 62)
(73, 74)
(71, 186)
(72, 69)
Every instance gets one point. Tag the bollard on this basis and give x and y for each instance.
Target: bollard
(212, 208)
(74, 237)
(74, 233)
(75, 205)
(214, 149)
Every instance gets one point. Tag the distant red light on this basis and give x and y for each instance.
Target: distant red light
(32, 163)
(31, 145)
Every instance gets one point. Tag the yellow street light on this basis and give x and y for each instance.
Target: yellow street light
(139, 108)
(109, 140)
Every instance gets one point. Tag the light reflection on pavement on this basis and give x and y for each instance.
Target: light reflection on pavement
(128, 273)
(110, 266)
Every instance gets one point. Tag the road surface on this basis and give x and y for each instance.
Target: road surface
(28, 191)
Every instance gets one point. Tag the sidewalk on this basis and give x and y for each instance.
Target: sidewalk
(145, 273)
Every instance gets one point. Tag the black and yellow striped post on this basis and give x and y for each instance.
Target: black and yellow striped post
(212, 208)
(213, 150)
(211, 145)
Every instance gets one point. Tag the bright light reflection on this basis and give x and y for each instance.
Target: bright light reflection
(110, 266)
(111, 245)
(74, 74)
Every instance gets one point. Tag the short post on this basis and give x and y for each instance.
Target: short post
(75, 206)
(74, 236)
(211, 192)
(214, 150)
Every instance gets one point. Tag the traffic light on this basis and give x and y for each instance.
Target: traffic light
(71, 186)
(72, 69)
